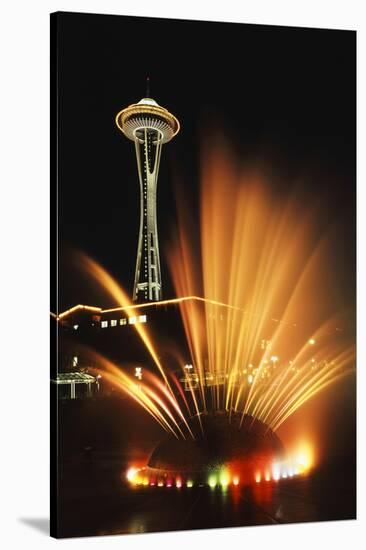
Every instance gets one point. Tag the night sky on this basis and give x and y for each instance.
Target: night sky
(283, 96)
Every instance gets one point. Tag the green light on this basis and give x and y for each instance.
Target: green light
(189, 483)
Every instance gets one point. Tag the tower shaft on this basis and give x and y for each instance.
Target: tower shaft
(147, 285)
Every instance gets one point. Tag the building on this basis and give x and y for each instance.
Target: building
(114, 333)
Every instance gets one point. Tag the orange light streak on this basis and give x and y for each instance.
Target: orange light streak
(111, 285)
(262, 257)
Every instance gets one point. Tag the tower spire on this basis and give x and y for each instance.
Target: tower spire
(147, 86)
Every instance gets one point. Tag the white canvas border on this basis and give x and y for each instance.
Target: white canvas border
(24, 274)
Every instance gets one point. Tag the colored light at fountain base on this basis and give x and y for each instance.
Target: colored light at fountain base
(212, 481)
(276, 471)
(224, 479)
(131, 473)
(299, 464)
(304, 457)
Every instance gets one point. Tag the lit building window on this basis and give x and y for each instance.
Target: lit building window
(138, 373)
(123, 321)
(76, 327)
(132, 320)
(113, 323)
(75, 361)
(142, 319)
(104, 324)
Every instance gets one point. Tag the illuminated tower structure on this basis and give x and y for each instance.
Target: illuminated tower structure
(150, 126)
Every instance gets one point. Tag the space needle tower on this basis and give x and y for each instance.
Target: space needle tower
(150, 126)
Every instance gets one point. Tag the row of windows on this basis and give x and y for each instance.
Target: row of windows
(123, 321)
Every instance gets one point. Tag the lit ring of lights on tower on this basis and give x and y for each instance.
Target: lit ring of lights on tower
(147, 114)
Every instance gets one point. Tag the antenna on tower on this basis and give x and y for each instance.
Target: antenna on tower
(147, 86)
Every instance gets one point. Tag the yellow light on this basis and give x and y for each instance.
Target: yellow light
(131, 474)
(236, 480)
(224, 478)
(312, 341)
(258, 477)
(189, 483)
(212, 481)
(304, 457)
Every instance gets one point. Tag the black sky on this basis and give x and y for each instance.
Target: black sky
(283, 95)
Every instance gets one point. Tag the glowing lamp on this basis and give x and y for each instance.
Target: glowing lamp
(212, 481)
(131, 474)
